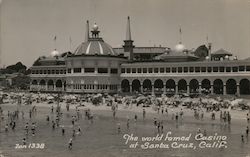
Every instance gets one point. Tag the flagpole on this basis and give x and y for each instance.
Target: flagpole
(55, 43)
(70, 42)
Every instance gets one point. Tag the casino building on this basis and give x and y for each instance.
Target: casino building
(96, 67)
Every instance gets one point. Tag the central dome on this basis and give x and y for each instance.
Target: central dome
(95, 45)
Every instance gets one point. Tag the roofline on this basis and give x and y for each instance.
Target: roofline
(96, 55)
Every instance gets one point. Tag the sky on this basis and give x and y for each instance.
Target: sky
(28, 27)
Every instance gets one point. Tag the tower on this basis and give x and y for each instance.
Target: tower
(128, 43)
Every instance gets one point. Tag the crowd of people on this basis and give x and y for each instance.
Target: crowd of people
(164, 107)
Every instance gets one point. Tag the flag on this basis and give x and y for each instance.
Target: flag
(55, 38)
(180, 30)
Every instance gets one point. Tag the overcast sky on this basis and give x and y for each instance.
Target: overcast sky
(29, 26)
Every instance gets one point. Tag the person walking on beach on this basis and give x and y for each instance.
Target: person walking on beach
(70, 143)
(128, 123)
(119, 128)
(242, 138)
(33, 129)
(63, 130)
(247, 131)
(248, 119)
(135, 118)
(26, 128)
(144, 113)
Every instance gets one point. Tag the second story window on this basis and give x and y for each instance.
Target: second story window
(77, 70)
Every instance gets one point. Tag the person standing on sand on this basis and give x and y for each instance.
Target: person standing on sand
(144, 114)
(119, 128)
(70, 143)
(247, 132)
(248, 119)
(128, 123)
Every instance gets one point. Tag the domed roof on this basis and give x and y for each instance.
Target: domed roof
(55, 53)
(179, 47)
(95, 47)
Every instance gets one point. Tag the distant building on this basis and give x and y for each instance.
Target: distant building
(96, 67)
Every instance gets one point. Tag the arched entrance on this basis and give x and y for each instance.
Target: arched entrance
(125, 86)
(42, 85)
(158, 86)
(231, 86)
(245, 86)
(218, 86)
(194, 86)
(182, 86)
(170, 86)
(136, 85)
(59, 85)
(34, 82)
(147, 86)
(50, 85)
(205, 86)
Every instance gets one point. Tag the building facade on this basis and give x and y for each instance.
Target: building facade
(96, 67)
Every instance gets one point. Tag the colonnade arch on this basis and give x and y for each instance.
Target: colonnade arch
(194, 86)
(136, 85)
(147, 85)
(182, 86)
(244, 86)
(125, 87)
(216, 86)
(231, 86)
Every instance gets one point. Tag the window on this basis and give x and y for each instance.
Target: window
(150, 70)
(215, 69)
(144, 70)
(191, 69)
(185, 69)
(209, 69)
(222, 69)
(161, 70)
(41, 72)
(133, 70)
(114, 71)
(45, 71)
(89, 70)
(203, 69)
(228, 69)
(102, 70)
(235, 69)
(139, 70)
(197, 69)
(128, 70)
(49, 72)
(77, 70)
(53, 72)
(57, 71)
(64, 71)
(156, 70)
(69, 70)
(61, 71)
(247, 68)
(168, 70)
(173, 70)
(36, 71)
(241, 68)
(179, 69)
(123, 70)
